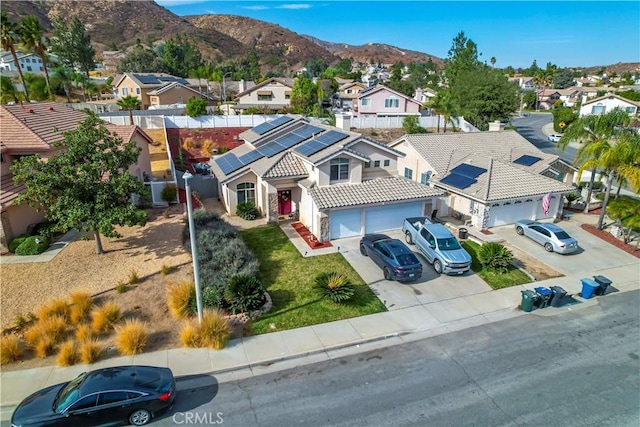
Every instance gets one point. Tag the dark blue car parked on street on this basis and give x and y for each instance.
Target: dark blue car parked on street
(397, 261)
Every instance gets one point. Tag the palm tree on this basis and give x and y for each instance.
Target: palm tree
(493, 62)
(445, 106)
(10, 35)
(202, 72)
(92, 88)
(80, 80)
(62, 75)
(8, 91)
(33, 39)
(130, 103)
(590, 130)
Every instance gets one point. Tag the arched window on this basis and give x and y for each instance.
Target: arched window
(339, 169)
(246, 192)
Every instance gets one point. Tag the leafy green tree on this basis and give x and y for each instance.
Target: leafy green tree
(529, 99)
(73, 45)
(461, 58)
(10, 35)
(87, 186)
(129, 103)
(253, 65)
(304, 95)
(630, 94)
(34, 40)
(141, 60)
(563, 117)
(563, 79)
(315, 67)
(196, 107)
(403, 86)
(411, 124)
(626, 213)
(8, 91)
(37, 85)
(180, 55)
(343, 67)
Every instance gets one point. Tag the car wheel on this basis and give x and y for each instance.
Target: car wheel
(437, 266)
(408, 238)
(140, 417)
(387, 274)
(548, 247)
(520, 230)
(363, 250)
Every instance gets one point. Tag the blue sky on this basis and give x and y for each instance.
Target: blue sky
(570, 33)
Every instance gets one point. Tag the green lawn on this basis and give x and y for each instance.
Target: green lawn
(289, 279)
(513, 277)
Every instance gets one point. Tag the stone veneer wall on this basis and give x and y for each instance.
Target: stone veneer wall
(272, 215)
(325, 235)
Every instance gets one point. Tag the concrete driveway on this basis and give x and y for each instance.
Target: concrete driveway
(431, 287)
(594, 254)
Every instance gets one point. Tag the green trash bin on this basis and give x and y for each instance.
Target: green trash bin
(528, 300)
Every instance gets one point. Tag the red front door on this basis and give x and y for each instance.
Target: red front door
(284, 202)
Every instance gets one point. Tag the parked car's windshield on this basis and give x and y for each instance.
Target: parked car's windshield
(68, 394)
(562, 235)
(448, 244)
(407, 259)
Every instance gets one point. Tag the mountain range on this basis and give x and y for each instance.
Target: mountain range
(120, 24)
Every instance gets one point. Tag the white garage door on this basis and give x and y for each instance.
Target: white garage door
(346, 223)
(390, 217)
(509, 214)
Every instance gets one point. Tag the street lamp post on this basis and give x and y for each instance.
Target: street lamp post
(194, 249)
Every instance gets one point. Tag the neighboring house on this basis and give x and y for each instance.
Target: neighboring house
(337, 183)
(423, 96)
(32, 129)
(177, 93)
(273, 94)
(607, 103)
(348, 92)
(382, 101)
(524, 83)
(491, 178)
(547, 98)
(140, 84)
(29, 62)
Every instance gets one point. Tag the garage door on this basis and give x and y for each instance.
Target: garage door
(509, 214)
(390, 217)
(346, 223)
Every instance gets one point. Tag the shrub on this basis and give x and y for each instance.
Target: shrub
(207, 148)
(20, 321)
(189, 336)
(131, 338)
(494, 256)
(179, 297)
(105, 317)
(165, 269)
(121, 288)
(571, 197)
(67, 354)
(55, 307)
(247, 210)
(244, 293)
(32, 245)
(133, 277)
(214, 331)
(213, 297)
(169, 193)
(17, 242)
(335, 287)
(44, 347)
(84, 333)
(54, 327)
(10, 349)
(90, 351)
(188, 143)
(81, 303)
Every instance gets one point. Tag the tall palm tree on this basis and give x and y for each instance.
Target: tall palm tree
(33, 39)
(201, 72)
(62, 75)
(590, 130)
(130, 103)
(8, 91)
(10, 32)
(445, 106)
(80, 80)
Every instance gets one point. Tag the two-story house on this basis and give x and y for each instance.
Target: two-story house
(524, 83)
(32, 129)
(382, 101)
(271, 95)
(349, 92)
(336, 182)
(142, 85)
(28, 62)
(607, 103)
(424, 95)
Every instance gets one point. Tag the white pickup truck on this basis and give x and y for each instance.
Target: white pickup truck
(438, 245)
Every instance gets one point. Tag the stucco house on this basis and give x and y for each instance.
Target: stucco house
(490, 178)
(607, 103)
(140, 84)
(382, 101)
(28, 62)
(32, 129)
(348, 92)
(273, 94)
(336, 182)
(177, 93)
(424, 95)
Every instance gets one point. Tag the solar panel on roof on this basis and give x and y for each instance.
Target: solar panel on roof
(146, 79)
(458, 181)
(468, 170)
(307, 131)
(229, 163)
(280, 121)
(250, 157)
(527, 160)
(310, 148)
(263, 128)
(271, 149)
(289, 140)
(331, 137)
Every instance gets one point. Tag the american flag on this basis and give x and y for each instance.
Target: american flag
(546, 202)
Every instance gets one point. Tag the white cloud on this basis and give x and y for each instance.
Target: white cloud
(255, 7)
(294, 6)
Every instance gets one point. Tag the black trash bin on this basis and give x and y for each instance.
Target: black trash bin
(557, 296)
(463, 233)
(544, 296)
(603, 284)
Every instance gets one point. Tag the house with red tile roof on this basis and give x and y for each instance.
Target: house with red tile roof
(32, 128)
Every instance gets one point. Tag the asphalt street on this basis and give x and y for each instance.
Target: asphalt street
(580, 367)
(531, 128)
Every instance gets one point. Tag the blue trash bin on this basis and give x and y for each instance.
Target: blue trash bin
(588, 288)
(545, 296)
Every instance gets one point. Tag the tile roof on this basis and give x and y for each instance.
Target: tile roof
(377, 88)
(281, 80)
(150, 80)
(9, 190)
(379, 190)
(289, 165)
(612, 96)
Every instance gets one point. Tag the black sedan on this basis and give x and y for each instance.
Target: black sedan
(397, 261)
(118, 395)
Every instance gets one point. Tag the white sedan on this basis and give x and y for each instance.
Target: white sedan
(555, 138)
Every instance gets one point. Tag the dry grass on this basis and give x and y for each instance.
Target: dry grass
(103, 318)
(133, 277)
(81, 303)
(131, 338)
(188, 143)
(178, 298)
(55, 307)
(10, 348)
(54, 327)
(214, 331)
(84, 333)
(67, 354)
(207, 147)
(189, 336)
(44, 347)
(90, 351)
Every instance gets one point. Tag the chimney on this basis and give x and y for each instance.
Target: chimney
(343, 121)
(241, 87)
(496, 126)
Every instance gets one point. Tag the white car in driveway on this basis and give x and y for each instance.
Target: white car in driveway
(555, 138)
